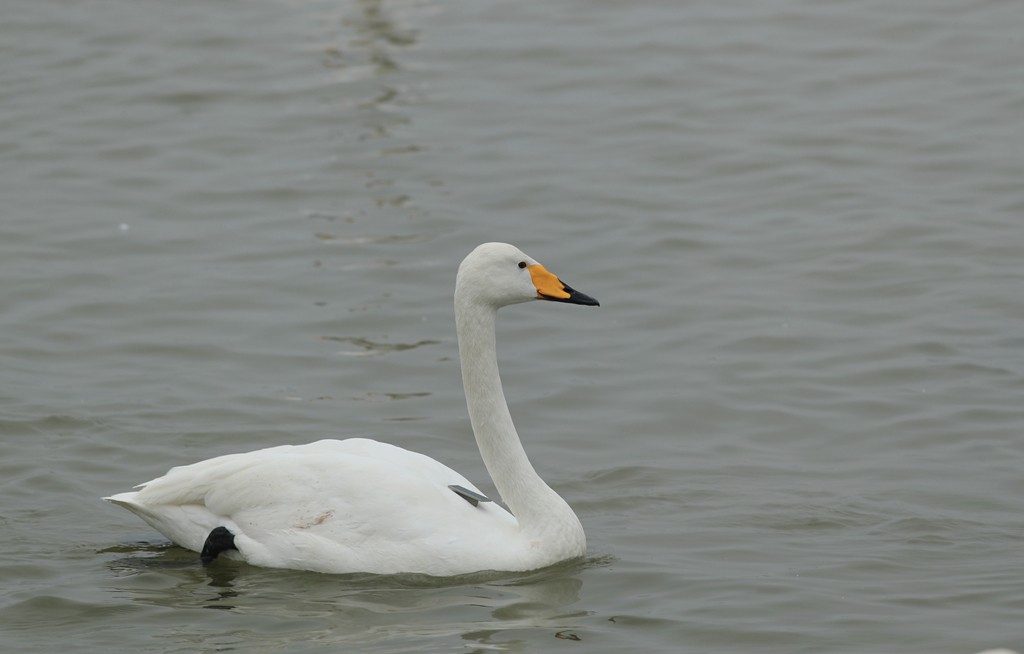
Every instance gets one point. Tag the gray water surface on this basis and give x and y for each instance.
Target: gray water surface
(794, 425)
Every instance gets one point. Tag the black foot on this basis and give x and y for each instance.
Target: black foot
(219, 540)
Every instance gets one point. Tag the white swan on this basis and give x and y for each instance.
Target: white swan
(358, 505)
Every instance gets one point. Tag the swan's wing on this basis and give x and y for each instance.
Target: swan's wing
(354, 505)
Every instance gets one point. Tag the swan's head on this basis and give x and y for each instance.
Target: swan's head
(499, 274)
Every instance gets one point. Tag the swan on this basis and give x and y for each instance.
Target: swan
(359, 505)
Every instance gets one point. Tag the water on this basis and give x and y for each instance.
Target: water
(795, 424)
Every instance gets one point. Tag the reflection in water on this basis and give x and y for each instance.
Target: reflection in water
(373, 348)
(222, 579)
(179, 566)
(377, 36)
(541, 605)
(343, 610)
(374, 93)
(378, 32)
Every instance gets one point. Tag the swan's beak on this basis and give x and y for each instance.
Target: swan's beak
(551, 288)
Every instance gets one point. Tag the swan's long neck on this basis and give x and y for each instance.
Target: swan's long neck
(542, 514)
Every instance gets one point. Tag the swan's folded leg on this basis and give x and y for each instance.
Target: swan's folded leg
(219, 540)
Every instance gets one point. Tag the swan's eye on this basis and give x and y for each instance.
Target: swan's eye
(522, 264)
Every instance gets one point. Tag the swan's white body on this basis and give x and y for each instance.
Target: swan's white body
(358, 505)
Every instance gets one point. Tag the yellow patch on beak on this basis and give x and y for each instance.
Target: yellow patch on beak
(548, 286)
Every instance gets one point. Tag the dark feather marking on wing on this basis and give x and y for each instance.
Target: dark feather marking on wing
(472, 497)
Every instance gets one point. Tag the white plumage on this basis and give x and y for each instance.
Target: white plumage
(359, 505)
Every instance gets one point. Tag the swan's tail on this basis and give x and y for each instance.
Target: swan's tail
(127, 500)
(185, 525)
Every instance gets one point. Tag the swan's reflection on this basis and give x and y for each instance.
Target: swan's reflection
(264, 604)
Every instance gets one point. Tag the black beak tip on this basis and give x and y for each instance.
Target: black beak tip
(575, 297)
